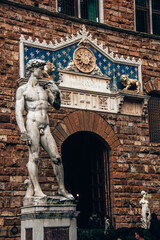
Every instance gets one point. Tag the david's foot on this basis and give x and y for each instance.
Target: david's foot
(40, 194)
(29, 192)
(66, 194)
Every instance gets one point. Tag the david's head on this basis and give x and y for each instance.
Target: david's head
(33, 65)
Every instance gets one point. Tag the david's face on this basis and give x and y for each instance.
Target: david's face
(37, 72)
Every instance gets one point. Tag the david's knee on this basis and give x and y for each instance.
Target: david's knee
(56, 160)
(34, 158)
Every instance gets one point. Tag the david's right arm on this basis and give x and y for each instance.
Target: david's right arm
(19, 116)
(20, 109)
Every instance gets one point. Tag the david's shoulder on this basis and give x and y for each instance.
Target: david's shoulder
(21, 89)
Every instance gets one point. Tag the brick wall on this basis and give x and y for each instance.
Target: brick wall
(45, 4)
(119, 13)
(134, 163)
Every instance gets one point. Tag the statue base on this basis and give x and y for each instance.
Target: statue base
(48, 218)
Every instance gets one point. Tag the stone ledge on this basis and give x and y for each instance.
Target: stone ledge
(49, 215)
(48, 208)
(47, 201)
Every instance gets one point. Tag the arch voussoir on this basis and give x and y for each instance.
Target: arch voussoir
(107, 131)
(152, 85)
(58, 141)
(110, 136)
(101, 126)
(74, 120)
(91, 121)
(61, 127)
(69, 126)
(81, 120)
(115, 144)
(85, 121)
(59, 135)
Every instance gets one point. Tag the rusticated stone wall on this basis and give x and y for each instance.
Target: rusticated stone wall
(50, 5)
(119, 13)
(134, 162)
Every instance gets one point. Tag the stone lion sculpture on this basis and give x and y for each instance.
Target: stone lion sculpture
(128, 82)
(48, 68)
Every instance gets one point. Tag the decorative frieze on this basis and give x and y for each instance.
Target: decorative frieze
(66, 98)
(103, 103)
(119, 102)
(88, 100)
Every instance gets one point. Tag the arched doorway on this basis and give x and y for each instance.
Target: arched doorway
(85, 160)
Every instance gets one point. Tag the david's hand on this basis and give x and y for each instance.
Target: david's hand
(26, 138)
(52, 86)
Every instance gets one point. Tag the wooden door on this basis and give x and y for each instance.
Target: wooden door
(100, 185)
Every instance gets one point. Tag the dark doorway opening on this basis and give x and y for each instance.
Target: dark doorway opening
(85, 161)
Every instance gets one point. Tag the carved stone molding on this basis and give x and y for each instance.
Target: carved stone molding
(118, 102)
(145, 106)
(74, 98)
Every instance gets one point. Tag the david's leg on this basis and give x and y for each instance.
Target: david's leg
(59, 172)
(33, 174)
(50, 146)
(33, 161)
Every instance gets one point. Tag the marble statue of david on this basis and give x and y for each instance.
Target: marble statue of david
(35, 131)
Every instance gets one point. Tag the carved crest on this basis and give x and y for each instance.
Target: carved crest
(84, 59)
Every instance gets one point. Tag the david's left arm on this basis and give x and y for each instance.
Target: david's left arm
(53, 95)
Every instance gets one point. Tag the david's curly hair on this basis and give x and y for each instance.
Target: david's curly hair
(32, 63)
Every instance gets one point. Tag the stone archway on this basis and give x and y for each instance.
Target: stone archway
(152, 85)
(89, 122)
(85, 121)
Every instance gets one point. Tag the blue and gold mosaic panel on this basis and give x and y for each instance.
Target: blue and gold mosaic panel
(121, 69)
(103, 63)
(62, 57)
(59, 58)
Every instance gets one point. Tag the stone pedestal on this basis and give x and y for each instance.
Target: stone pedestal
(50, 218)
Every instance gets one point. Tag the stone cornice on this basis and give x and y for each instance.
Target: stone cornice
(49, 215)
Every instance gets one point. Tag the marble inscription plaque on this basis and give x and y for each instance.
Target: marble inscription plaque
(52, 233)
